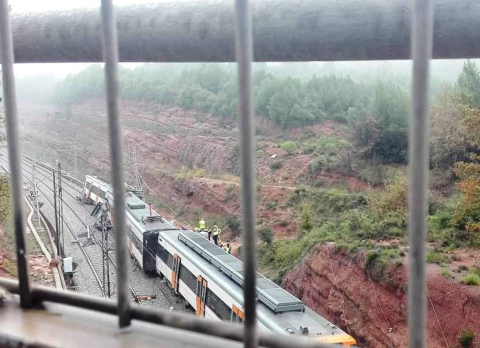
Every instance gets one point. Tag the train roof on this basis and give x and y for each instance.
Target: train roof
(284, 322)
(269, 293)
(105, 186)
(150, 220)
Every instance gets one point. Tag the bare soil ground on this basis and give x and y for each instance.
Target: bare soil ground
(339, 287)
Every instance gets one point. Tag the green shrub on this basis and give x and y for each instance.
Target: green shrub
(371, 257)
(271, 205)
(466, 338)
(316, 165)
(234, 225)
(306, 218)
(308, 149)
(289, 146)
(188, 174)
(471, 279)
(266, 235)
(476, 270)
(436, 257)
(260, 153)
(229, 192)
(288, 253)
(276, 165)
(446, 272)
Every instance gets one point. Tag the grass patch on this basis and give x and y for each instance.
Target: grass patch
(466, 338)
(10, 266)
(229, 192)
(437, 257)
(446, 273)
(271, 205)
(276, 165)
(188, 174)
(471, 279)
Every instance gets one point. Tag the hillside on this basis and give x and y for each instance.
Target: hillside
(331, 159)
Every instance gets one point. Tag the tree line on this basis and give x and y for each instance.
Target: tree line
(378, 111)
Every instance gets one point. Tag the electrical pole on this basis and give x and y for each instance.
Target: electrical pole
(103, 255)
(76, 172)
(60, 200)
(34, 190)
(104, 227)
(44, 151)
(57, 239)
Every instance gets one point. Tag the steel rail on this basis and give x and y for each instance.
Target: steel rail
(162, 317)
(283, 30)
(132, 290)
(419, 143)
(87, 258)
(112, 260)
(97, 242)
(13, 140)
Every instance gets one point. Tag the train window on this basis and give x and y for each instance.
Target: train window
(136, 241)
(169, 260)
(102, 194)
(188, 278)
(218, 306)
(237, 315)
(95, 190)
(88, 185)
(165, 256)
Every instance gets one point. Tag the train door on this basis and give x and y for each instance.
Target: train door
(201, 296)
(175, 272)
(237, 315)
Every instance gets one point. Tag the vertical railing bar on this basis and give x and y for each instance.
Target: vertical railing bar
(422, 39)
(110, 52)
(244, 55)
(13, 140)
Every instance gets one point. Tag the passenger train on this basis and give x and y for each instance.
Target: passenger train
(207, 277)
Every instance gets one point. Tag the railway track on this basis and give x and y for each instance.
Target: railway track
(143, 283)
(81, 248)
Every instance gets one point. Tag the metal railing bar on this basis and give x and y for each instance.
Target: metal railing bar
(422, 40)
(203, 31)
(244, 53)
(182, 321)
(110, 49)
(14, 156)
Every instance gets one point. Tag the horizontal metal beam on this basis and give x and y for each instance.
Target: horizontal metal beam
(283, 30)
(171, 319)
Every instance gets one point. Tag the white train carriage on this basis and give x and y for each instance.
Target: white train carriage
(211, 281)
(208, 278)
(95, 190)
(143, 223)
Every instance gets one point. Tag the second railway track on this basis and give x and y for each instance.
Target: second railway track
(92, 253)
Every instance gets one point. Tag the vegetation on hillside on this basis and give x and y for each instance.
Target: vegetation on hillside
(373, 145)
(361, 220)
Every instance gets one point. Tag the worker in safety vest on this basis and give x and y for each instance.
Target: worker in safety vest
(201, 224)
(216, 234)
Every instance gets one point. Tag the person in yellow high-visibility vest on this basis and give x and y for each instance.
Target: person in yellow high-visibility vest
(216, 234)
(201, 224)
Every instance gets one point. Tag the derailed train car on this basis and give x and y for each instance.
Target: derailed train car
(210, 279)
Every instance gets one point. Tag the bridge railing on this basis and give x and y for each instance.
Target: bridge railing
(214, 31)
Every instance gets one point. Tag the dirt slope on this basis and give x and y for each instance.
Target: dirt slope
(338, 287)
